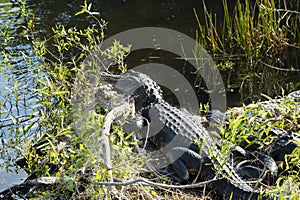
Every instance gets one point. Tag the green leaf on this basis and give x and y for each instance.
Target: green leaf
(44, 102)
(60, 92)
(79, 12)
(237, 123)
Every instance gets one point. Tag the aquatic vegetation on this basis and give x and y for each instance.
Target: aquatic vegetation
(256, 38)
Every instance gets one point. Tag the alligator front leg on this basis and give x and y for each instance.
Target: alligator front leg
(133, 124)
(184, 160)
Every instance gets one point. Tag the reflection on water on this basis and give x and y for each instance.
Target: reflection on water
(7, 11)
(18, 108)
(7, 179)
(18, 95)
(18, 74)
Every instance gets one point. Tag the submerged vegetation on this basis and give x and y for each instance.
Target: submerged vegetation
(69, 153)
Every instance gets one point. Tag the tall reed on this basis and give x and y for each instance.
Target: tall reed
(257, 36)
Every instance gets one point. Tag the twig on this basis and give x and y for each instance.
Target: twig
(287, 11)
(13, 124)
(104, 138)
(147, 182)
(30, 116)
(277, 68)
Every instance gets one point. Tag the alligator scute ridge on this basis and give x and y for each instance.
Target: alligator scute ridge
(150, 104)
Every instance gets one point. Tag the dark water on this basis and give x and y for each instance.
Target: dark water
(172, 14)
(121, 15)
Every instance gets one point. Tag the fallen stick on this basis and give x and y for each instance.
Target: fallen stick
(104, 138)
(146, 182)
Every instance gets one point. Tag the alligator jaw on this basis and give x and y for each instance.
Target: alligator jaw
(109, 78)
(112, 80)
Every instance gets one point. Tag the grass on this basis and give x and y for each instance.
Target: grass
(256, 37)
(74, 151)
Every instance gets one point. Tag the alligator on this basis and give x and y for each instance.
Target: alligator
(187, 144)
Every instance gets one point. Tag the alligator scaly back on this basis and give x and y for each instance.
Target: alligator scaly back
(171, 128)
(178, 135)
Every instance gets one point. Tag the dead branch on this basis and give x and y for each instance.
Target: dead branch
(146, 182)
(104, 138)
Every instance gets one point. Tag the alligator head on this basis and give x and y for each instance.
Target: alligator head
(140, 87)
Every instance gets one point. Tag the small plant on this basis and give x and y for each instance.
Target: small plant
(65, 153)
(252, 127)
